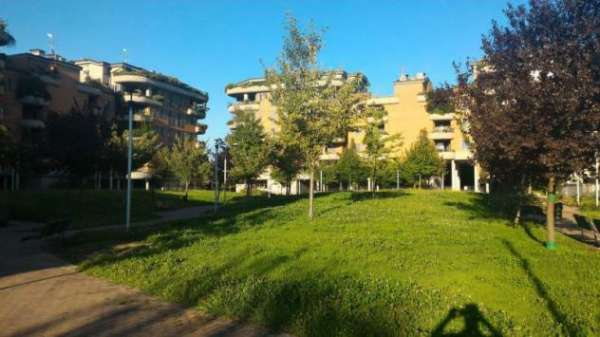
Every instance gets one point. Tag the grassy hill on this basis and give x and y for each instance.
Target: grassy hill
(409, 263)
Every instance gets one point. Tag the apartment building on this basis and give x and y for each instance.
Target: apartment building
(253, 95)
(406, 115)
(172, 108)
(37, 84)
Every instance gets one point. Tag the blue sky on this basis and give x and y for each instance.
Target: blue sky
(211, 43)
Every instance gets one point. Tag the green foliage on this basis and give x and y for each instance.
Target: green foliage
(248, 149)
(378, 144)
(286, 162)
(8, 148)
(5, 38)
(350, 167)
(75, 142)
(187, 160)
(398, 265)
(421, 161)
(311, 111)
(440, 100)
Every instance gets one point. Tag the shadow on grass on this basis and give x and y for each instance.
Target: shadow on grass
(474, 324)
(242, 213)
(559, 317)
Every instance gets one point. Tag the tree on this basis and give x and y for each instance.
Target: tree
(440, 100)
(74, 142)
(146, 144)
(286, 163)
(187, 160)
(378, 144)
(248, 149)
(421, 161)
(532, 101)
(5, 38)
(350, 166)
(311, 111)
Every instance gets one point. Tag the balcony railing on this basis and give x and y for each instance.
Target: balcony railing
(244, 105)
(443, 129)
(141, 99)
(34, 100)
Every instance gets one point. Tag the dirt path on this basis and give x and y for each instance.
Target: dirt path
(43, 296)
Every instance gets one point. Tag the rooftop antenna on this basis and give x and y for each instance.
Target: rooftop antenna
(124, 54)
(51, 44)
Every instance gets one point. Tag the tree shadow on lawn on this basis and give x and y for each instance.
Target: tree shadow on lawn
(233, 218)
(560, 318)
(310, 305)
(503, 207)
(362, 196)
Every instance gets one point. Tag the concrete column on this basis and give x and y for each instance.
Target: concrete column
(369, 184)
(147, 185)
(476, 178)
(455, 176)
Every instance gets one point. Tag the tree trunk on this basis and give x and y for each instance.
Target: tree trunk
(550, 220)
(187, 185)
(110, 179)
(311, 192)
(248, 188)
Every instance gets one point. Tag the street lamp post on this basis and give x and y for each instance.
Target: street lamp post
(597, 182)
(129, 155)
(218, 143)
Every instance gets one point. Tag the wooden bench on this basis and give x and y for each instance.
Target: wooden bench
(592, 225)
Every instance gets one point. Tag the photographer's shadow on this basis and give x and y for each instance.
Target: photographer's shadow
(475, 324)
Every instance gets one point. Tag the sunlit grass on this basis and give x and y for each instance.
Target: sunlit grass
(398, 265)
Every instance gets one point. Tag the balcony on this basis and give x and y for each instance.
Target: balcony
(199, 110)
(244, 106)
(136, 117)
(34, 100)
(32, 123)
(329, 156)
(140, 78)
(88, 89)
(141, 99)
(442, 132)
(441, 117)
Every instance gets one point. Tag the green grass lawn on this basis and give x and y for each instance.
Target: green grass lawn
(409, 263)
(88, 208)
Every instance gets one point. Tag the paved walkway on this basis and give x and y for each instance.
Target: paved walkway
(163, 217)
(44, 296)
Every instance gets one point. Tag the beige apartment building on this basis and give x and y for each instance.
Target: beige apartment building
(171, 107)
(406, 115)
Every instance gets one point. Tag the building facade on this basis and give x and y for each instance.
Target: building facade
(406, 115)
(253, 95)
(172, 108)
(37, 85)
